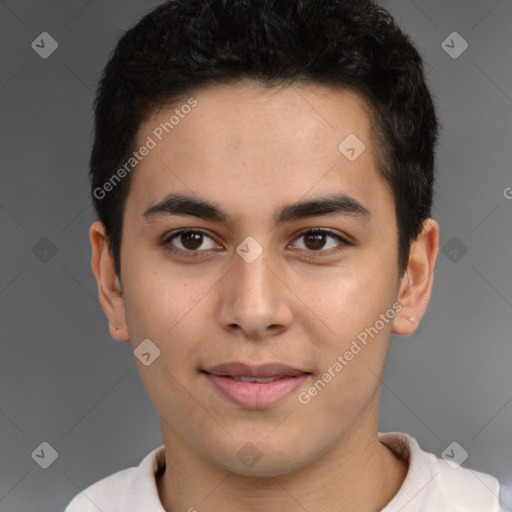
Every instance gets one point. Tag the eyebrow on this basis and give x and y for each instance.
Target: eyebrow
(180, 204)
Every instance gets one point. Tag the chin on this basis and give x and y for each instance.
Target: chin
(250, 461)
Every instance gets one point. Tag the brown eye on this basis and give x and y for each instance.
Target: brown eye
(190, 241)
(315, 241)
(321, 241)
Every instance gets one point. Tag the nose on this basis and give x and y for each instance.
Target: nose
(253, 300)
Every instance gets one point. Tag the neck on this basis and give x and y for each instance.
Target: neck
(358, 474)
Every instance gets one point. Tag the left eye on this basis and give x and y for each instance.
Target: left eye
(315, 240)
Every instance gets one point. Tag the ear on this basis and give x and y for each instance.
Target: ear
(416, 283)
(109, 286)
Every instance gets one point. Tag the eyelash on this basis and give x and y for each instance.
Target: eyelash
(166, 242)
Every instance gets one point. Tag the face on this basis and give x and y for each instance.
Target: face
(255, 247)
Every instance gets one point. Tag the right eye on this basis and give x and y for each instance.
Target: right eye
(189, 241)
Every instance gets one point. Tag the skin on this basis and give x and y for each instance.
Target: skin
(251, 151)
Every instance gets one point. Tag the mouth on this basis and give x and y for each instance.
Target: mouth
(255, 387)
(258, 380)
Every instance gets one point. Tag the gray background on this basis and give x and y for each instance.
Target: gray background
(64, 381)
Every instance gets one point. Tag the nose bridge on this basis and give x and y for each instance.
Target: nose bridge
(253, 299)
(253, 277)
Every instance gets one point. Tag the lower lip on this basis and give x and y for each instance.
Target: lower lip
(252, 395)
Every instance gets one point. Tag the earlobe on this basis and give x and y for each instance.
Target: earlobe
(109, 287)
(416, 284)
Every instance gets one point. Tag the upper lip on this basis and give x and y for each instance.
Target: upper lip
(264, 370)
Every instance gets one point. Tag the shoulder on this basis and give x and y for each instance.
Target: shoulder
(433, 484)
(506, 497)
(106, 494)
(467, 488)
(123, 490)
(475, 490)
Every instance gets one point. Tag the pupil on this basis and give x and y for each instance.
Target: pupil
(191, 240)
(318, 241)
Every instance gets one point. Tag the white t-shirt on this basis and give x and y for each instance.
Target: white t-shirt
(431, 485)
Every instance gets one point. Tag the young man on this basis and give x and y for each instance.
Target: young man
(263, 176)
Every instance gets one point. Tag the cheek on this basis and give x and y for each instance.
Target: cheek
(159, 296)
(354, 348)
(348, 302)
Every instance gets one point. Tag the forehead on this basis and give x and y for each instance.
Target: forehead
(230, 114)
(244, 137)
